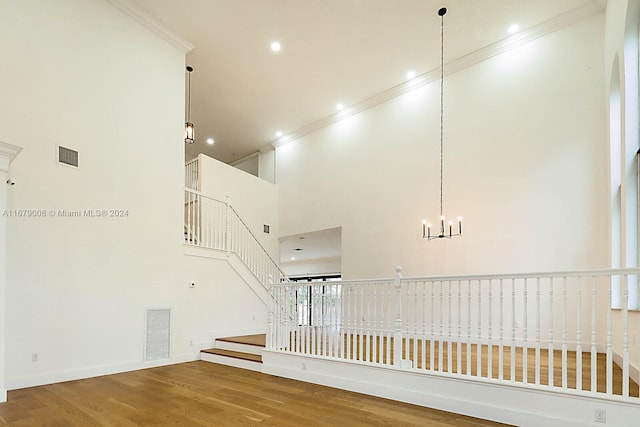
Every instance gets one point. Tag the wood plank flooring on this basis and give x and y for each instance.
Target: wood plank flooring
(208, 394)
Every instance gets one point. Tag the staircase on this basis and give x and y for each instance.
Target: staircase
(241, 352)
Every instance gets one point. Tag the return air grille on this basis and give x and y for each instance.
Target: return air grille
(67, 156)
(158, 334)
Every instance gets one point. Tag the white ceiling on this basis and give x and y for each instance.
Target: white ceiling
(322, 244)
(333, 51)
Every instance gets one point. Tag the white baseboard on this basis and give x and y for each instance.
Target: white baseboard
(524, 406)
(95, 371)
(3, 395)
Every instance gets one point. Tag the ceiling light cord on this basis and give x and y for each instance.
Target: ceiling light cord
(189, 96)
(441, 110)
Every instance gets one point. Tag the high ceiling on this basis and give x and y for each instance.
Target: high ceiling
(333, 51)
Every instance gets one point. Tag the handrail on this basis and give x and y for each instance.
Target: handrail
(199, 195)
(532, 275)
(259, 244)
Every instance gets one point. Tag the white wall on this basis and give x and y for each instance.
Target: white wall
(621, 56)
(82, 74)
(249, 164)
(525, 165)
(255, 199)
(231, 307)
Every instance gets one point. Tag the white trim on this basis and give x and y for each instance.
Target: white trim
(547, 27)
(8, 152)
(153, 24)
(529, 406)
(3, 395)
(94, 371)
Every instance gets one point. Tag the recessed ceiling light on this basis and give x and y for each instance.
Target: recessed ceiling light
(411, 74)
(293, 258)
(210, 141)
(514, 28)
(279, 134)
(339, 107)
(275, 46)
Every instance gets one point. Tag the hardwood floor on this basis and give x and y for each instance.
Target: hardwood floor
(208, 394)
(377, 350)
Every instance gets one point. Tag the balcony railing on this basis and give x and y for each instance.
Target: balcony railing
(553, 331)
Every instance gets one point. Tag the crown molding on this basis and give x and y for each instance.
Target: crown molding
(153, 24)
(7, 153)
(547, 27)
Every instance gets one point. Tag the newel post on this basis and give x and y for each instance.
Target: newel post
(227, 228)
(397, 336)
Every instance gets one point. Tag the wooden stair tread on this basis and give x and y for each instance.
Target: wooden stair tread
(234, 354)
(259, 340)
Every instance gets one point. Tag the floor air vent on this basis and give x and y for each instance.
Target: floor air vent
(67, 156)
(158, 334)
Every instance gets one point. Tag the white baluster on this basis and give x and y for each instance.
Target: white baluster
(415, 324)
(490, 334)
(449, 338)
(537, 361)
(361, 325)
(501, 341)
(564, 332)
(424, 325)
(227, 232)
(609, 367)
(513, 332)
(397, 339)
(625, 336)
(469, 353)
(579, 338)
(367, 344)
(407, 323)
(550, 346)
(459, 340)
(389, 318)
(525, 333)
(432, 350)
(441, 336)
(377, 338)
(479, 345)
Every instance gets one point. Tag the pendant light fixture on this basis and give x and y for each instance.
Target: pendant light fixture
(445, 232)
(189, 129)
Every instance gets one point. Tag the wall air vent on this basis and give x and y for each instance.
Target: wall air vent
(67, 156)
(157, 344)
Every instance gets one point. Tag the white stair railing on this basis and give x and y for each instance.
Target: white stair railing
(213, 224)
(192, 175)
(514, 329)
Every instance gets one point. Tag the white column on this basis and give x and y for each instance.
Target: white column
(7, 154)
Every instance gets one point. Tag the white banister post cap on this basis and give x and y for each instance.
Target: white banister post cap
(397, 282)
